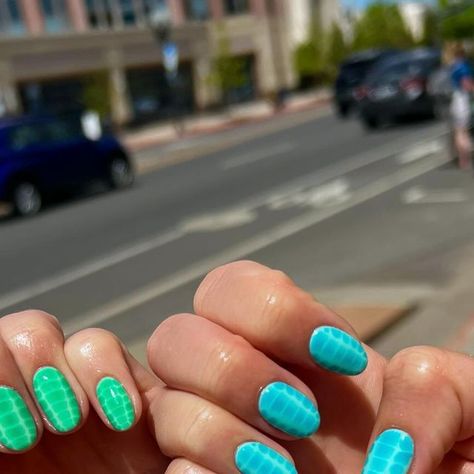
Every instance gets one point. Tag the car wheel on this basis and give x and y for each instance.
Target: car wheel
(26, 199)
(120, 173)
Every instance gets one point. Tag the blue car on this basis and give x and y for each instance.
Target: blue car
(44, 156)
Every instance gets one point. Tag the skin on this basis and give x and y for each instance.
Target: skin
(251, 327)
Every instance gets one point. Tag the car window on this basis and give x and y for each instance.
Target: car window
(62, 131)
(24, 136)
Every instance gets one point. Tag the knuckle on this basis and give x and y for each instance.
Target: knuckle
(228, 362)
(230, 271)
(30, 317)
(92, 339)
(420, 367)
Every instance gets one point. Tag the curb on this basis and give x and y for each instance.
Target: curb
(148, 143)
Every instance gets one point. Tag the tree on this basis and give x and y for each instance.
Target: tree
(430, 29)
(336, 51)
(228, 72)
(382, 26)
(457, 21)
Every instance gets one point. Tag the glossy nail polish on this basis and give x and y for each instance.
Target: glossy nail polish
(17, 425)
(57, 399)
(256, 458)
(289, 410)
(392, 452)
(115, 403)
(337, 351)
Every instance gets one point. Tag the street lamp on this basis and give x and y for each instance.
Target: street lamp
(161, 25)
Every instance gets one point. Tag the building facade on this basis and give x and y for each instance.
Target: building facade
(57, 54)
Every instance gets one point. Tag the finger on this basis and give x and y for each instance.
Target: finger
(274, 315)
(427, 406)
(20, 423)
(99, 362)
(182, 466)
(198, 356)
(187, 426)
(36, 343)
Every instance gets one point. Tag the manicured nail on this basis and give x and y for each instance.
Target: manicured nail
(17, 425)
(256, 458)
(289, 410)
(116, 403)
(391, 452)
(337, 351)
(57, 399)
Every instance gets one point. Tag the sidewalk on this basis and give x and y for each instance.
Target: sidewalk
(208, 123)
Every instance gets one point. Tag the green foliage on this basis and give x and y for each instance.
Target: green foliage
(228, 72)
(457, 24)
(316, 60)
(96, 93)
(382, 26)
(430, 29)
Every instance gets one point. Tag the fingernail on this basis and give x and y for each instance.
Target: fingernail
(256, 458)
(391, 452)
(115, 403)
(337, 351)
(57, 399)
(17, 425)
(289, 410)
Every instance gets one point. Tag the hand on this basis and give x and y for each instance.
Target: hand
(253, 327)
(58, 381)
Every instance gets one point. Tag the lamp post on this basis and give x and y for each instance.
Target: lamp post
(161, 26)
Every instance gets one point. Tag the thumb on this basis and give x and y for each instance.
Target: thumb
(427, 407)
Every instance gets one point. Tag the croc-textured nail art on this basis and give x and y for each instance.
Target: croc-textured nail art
(289, 410)
(116, 403)
(57, 399)
(337, 351)
(392, 452)
(17, 425)
(256, 458)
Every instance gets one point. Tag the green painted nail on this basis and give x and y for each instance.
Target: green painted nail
(17, 426)
(56, 399)
(116, 403)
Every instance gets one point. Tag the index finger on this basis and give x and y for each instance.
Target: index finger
(267, 309)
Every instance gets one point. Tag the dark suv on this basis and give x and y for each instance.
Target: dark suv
(398, 87)
(43, 156)
(352, 73)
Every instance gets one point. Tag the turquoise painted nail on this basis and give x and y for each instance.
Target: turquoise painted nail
(392, 452)
(256, 458)
(337, 351)
(289, 410)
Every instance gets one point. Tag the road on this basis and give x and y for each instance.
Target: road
(319, 198)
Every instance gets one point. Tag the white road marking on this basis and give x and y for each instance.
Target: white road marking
(325, 174)
(328, 194)
(87, 269)
(259, 242)
(420, 151)
(257, 155)
(219, 220)
(419, 195)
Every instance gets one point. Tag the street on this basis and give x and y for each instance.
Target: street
(331, 205)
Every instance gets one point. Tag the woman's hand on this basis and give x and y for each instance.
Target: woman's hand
(243, 373)
(74, 406)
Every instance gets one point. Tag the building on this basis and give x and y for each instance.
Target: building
(64, 54)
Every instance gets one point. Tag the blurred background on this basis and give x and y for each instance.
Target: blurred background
(310, 135)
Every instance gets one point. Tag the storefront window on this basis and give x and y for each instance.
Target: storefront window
(236, 7)
(127, 12)
(197, 9)
(99, 13)
(55, 14)
(11, 21)
(152, 6)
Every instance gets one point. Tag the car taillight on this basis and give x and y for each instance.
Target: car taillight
(361, 93)
(414, 83)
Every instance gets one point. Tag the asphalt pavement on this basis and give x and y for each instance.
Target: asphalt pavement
(330, 204)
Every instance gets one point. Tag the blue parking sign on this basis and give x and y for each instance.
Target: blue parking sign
(170, 54)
